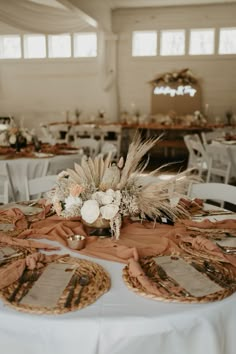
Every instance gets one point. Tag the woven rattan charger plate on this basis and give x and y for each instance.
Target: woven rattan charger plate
(98, 285)
(149, 267)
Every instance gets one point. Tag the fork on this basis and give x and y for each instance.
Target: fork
(226, 250)
(25, 277)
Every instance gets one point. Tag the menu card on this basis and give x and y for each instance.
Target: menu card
(7, 227)
(7, 253)
(228, 242)
(48, 289)
(195, 282)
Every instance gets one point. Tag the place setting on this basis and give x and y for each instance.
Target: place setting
(67, 284)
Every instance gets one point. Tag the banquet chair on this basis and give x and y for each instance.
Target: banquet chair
(213, 192)
(34, 188)
(4, 190)
(90, 146)
(85, 131)
(109, 148)
(198, 158)
(47, 135)
(112, 134)
(219, 164)
(208, 137)
(5, 172)
(60, 132)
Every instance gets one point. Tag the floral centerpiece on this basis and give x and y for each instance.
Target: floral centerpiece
(16, 137)
(98, 190)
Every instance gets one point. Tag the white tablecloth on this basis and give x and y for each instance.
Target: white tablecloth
(121, 322)
(34, 167)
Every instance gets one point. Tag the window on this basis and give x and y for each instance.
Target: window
(59, 46)
(144, 43)
(227, 41)
(10, 47)
(85, 45)
(202, 41)
(34, 46)
(173, 42)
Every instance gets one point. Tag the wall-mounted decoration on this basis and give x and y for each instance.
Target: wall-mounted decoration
(177, 91)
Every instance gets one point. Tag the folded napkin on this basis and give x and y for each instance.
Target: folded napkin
(13, 272)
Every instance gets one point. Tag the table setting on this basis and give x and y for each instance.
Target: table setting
(147, 276)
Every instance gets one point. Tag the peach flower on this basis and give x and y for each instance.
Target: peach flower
(75, 190)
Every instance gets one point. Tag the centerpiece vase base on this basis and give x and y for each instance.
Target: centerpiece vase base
(99, 228)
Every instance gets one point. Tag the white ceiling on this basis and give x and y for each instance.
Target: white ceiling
(153, 3)
(116, 4)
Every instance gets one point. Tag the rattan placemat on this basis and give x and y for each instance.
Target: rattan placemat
(173, 292)
(99, 283)
(188, 248)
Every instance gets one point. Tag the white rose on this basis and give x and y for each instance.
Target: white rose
(109, 211)
(12, 139)
(98, 196)
(110, 192)
(106, 199)
(72, 201)
(90, 211)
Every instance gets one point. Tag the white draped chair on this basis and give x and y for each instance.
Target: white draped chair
(35, 187)
(213, 192)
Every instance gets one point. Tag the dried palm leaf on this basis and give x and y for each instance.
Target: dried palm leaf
(136, 152)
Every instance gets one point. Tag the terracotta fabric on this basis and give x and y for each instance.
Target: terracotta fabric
(11, 273)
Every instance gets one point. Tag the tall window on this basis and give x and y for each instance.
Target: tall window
(59, 46)
(34, 46)
(10, 47)
(144, 43)
(85, 45)
(173, 42)
(202, 41)
(227, 41)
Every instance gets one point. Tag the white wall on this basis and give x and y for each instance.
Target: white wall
(40, 90)
(217, 74)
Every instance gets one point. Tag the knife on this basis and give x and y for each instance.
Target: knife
(69, 298)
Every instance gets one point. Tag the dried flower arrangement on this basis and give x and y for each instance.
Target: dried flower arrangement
(184, 76)
(98, 189)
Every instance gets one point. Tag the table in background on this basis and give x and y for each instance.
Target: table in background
(19, 168)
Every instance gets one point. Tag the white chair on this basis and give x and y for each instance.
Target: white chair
(213, 191)
(4, 190)
(34, 188)
(109, 148)
(219, 164)
(90, 146)
(60, 132)
(85, 131)
(198, 158)
(5, 173)
(208, 137)
(47, 136)
(111, 133)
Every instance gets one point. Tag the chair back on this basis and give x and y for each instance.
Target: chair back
(5, 173)
(111, 133)
(36, 186)
(90, 146)
(4, 190)
(60, 132)
(213, 191)
(208, 137)
(219, 164)
(198, 158)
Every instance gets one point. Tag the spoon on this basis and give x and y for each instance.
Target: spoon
(83, 281)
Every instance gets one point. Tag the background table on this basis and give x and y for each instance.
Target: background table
(35, 167)
(121, 322)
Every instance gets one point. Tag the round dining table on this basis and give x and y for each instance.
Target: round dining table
(122, 322)
(41, 164)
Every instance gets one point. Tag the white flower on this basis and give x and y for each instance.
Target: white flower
(12, 139)
(90, 211)
(109, 211)
(98, 196)
(106, 199)
(72, 201)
